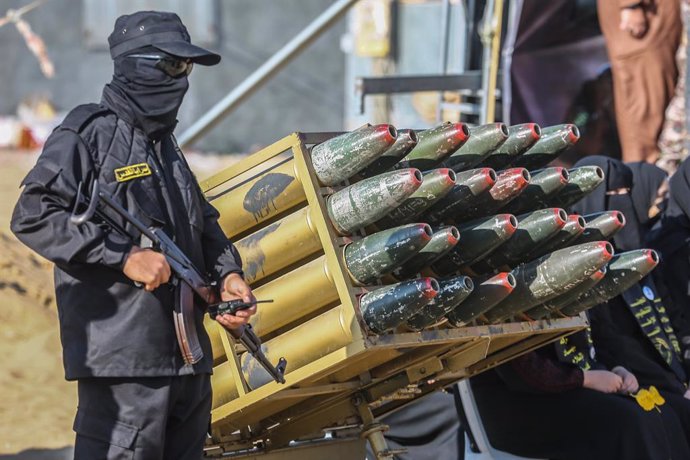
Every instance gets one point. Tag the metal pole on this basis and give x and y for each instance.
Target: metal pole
(514, 11)
(445, 37)
(490, 31)
(269, 69)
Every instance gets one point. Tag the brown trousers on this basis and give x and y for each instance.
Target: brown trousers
(644, 74)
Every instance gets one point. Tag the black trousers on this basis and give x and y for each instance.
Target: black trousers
(142, 418)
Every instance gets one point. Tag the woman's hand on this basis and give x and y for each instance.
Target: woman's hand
(603, 381)
(630, 384)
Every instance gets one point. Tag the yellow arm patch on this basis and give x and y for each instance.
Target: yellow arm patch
(132, 172)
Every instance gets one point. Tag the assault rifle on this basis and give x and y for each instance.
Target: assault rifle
(188, 279)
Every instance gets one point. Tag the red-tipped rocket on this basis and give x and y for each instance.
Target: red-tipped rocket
(550, 276)
(486, 295)
(339, 158)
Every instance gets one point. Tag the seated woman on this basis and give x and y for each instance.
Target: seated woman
(634, 328)
(543, 406)
(671, 237)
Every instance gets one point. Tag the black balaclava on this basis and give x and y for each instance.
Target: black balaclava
(617, 175)
(153, 96)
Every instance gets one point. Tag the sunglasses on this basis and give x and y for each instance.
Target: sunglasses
(172, 67)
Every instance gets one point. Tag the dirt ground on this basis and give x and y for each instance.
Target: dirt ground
(37, 405)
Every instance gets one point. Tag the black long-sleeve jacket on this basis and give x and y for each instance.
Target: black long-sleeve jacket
(108, 326)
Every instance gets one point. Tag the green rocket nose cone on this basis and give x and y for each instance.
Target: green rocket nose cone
(483, 140)
(573, 228)
(623, 272)
(486, 294)
(520, 139)
(554, 305)
(477, 239)
(388, 307)
(435, 144)
(375, 255)
(534, 229)
(363, 203)
(543, 184)
(550, 276)
(452, 292)
(509, 185)
(582, 181)
(601, 226)
(468, 190)
(436, 184)
(339, 158)
(404, 143)
(442, 241)
(553, 141)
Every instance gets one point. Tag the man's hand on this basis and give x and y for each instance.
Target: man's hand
(147, 267)
(234, 287)
(603, 381)
(634, 21)
(630, 384)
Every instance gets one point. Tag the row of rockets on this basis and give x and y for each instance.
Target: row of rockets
(462, 224)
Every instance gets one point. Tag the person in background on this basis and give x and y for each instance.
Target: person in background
(593, 112)
(138, 398)
(671, 237)
(641, 40)
(673, 142)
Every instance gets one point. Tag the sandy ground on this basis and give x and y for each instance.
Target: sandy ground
(37, 405)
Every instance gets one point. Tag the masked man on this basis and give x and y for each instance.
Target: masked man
(137, 397)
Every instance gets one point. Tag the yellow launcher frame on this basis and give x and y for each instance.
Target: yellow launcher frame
(340, 374)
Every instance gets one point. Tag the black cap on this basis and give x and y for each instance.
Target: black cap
(159, 29)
